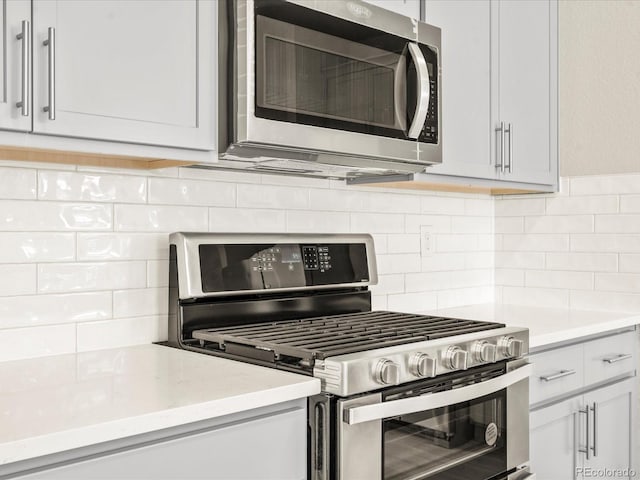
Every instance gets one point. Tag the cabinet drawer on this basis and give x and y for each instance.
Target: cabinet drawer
(609, 357)
(556, 372)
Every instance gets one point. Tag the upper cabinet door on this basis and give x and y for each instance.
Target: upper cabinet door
(136, 71)
(15, 80)
(526, 89)
(466, 90)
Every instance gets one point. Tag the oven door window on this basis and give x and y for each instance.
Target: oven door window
(465, 440)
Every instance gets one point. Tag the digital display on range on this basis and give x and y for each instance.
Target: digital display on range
(237, 267)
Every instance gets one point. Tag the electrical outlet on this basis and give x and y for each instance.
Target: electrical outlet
(427, 240)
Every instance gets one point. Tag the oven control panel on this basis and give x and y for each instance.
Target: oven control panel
(244, 267)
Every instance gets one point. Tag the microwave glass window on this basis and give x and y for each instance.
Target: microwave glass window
(312, 81)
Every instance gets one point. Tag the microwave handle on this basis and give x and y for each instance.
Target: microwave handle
(424, 82)
(405, 406)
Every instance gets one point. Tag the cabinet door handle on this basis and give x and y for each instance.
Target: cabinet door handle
(509, 130)
(50, 43)
(595, 429)
(555, 376)
(25, 36)
(617, 358)
(587, 449)
(501, 164)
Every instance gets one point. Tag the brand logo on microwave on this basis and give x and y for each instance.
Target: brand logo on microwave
(359, 10)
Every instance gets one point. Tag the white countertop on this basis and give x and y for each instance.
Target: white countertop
(53, 404)
(546, 325)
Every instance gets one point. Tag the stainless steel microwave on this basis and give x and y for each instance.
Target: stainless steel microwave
(328, 88)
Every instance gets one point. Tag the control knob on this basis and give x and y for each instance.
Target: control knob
(484, 351)
(511, 347)
(422, 365)
(387, 372)
(456, 358)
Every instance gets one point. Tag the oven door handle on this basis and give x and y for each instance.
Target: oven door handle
(423, 93)
(379, 411)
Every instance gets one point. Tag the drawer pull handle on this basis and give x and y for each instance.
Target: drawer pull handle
(555, 376)
(617, 358)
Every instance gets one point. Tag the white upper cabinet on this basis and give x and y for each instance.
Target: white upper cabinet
(15, 80)
(466, 79)
(525, 86)
(137, 71)
(410, 8)
(499, 85)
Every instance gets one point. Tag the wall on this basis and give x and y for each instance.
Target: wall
(83, 252)
(580, 248)
(599, 70)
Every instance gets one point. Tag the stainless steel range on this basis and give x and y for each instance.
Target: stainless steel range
(405, 396)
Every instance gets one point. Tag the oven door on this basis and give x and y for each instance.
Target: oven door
(471, 425)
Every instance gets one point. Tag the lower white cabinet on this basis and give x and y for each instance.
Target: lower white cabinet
(584, 404)
(269, 446)
(600, 421)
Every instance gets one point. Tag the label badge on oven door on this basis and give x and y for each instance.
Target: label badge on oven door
(491, 434)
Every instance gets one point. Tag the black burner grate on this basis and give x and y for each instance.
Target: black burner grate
(317, 338)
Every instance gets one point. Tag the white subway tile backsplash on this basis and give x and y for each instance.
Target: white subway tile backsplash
(389, 284)
(509, 225)
(398, 263)
(404, 243)
(19, 343)
(121, 332)
(602, 242)
(618, 282)
(18, 183)
(559, 279)
(471, 225)
(591, 205)
(520, 260)
(535, 243)
(630, 204)
(509, 277)
(145, 218)
(427, 281)
(76, 186)
(37, 247)
(629, 262)
(68, 277)
(140, 303)
(443, 205)
(173, 191)
(17, 279)
(247, 220)
(412, 302)
(465, 296)
(157, 273)
(437, 223)
(326, 222)
(19, 216)
(377, 223)
(85, 250)
(340, 200)
(268, 196)
(123, 246)
(507, 207)
(32, 310)
(617, 223)
(559, 224)
(583, 262)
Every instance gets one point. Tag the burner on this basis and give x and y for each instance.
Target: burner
(307, 340)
